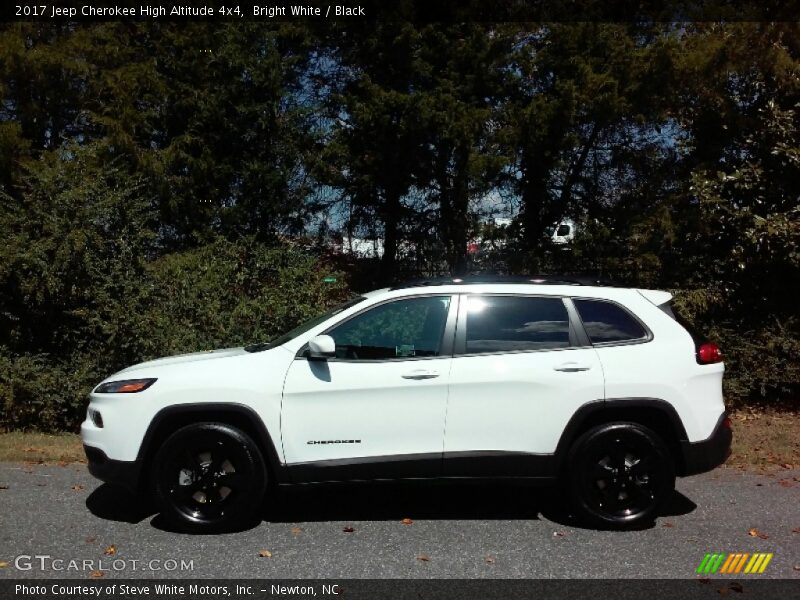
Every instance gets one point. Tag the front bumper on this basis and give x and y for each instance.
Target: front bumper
(116, 472)
(699, 457)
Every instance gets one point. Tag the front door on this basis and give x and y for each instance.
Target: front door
(377, 409)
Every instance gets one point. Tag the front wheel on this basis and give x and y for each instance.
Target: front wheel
(209, 477)
(620, 475)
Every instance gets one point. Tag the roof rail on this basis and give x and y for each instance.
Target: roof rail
(510, 279)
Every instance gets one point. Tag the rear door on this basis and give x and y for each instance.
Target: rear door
(519, 373)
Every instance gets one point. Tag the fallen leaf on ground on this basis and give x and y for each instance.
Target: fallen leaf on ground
(796, 530)
(110, 551)
(296, 531)
(77, 488)
(756, 533)
(348, 529)
(265, 554)
(90, 539)
(787, 466)
(668, 524)
(559, 534)
(797, 567)
(96, 574)
(3, 487)
(423, 557)
(736, 587)
(62, 463)
(406, 521)
(490, 560)
(3, 564)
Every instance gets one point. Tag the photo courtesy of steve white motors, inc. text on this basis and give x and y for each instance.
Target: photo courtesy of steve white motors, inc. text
(181, 10)
(171, 589)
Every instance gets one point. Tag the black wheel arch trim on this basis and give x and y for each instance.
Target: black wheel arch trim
(263, 437)
(598, 407)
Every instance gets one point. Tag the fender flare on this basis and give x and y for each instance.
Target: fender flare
(242, 411)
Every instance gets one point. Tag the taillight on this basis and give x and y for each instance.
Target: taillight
(709, 353)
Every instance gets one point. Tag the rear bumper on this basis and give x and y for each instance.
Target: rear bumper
(117, 472)
(699, 457)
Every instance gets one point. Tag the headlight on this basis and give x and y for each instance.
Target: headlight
(125, 386)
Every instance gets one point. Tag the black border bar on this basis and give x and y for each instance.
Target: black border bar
(400, 589)
(418, 11)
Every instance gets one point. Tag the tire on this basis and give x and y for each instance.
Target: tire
(209, 477)
(620, 475)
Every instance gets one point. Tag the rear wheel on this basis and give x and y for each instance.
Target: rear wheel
(209, 477)
(621, 474)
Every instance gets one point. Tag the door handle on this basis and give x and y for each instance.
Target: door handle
(420, 374)
(572, 367)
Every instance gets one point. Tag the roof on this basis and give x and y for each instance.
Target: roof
(509, 279)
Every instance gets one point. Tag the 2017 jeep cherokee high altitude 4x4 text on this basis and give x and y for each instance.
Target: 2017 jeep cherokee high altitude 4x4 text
(597, 387)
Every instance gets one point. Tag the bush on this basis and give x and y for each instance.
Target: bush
(220, 295)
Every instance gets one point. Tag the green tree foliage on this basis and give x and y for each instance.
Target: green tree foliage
(157, 179)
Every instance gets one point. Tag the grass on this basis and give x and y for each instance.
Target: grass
(763, 440)
(18, 446)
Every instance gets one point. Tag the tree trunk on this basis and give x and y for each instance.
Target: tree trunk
(391, 220)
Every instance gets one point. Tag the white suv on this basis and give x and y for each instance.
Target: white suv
(537, 379)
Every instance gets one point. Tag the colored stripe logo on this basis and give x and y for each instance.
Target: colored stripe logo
(734, 562)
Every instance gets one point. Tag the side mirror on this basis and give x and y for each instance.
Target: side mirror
(321, 346)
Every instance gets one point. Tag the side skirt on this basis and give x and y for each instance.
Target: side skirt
(477, 466)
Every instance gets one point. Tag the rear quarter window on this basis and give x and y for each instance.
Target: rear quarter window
(607, 322)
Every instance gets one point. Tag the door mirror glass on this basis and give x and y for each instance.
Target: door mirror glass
(321, 346)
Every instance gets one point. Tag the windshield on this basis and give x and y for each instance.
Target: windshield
(303, 327)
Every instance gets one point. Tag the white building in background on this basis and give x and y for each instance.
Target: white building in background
(362, 247)
(562, 232)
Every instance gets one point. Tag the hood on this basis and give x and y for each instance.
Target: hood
(185, 358)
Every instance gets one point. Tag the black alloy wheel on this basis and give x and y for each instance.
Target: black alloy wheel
(620, 475)
(209, 477)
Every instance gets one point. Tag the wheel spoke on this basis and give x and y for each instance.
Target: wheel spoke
(191, 461)
(233, 480)
(642, 466)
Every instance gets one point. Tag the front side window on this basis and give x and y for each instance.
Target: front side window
(515, 323)
(410, 328)
(608, 322)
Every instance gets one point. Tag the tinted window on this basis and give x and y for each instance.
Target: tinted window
(563, 230)
(402, 329)
(510, 323)
(608, 322)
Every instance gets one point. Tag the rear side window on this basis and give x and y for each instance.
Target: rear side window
(515, 323)
(608, 322)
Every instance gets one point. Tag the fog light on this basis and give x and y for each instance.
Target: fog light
(96, 418)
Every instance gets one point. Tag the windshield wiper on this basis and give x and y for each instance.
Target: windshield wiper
(258, 347)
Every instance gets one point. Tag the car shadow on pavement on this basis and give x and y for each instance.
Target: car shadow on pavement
(456, 501)
(381, 502)
(114, 503)
(388, 501)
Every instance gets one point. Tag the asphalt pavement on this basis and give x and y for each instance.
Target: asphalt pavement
(81, 526)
